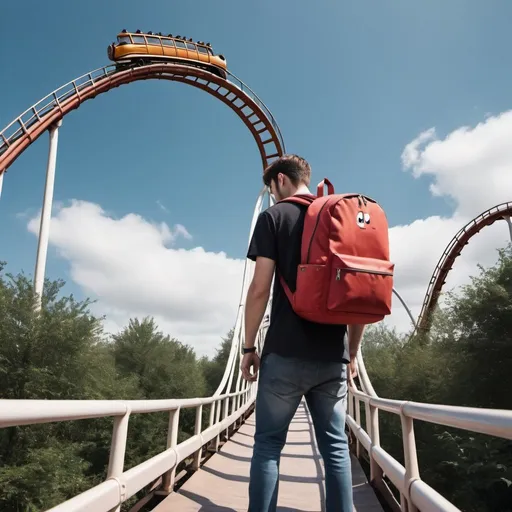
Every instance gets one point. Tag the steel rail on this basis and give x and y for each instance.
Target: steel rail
(453, 250)
(28, 126)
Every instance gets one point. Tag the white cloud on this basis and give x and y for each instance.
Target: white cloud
(135, 267)
(473, 167)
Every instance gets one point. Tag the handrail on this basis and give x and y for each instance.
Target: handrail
(415, 494)
(28, 412)
(121, 485)
(493, 422)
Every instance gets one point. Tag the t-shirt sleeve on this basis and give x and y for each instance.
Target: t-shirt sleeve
(263, 241)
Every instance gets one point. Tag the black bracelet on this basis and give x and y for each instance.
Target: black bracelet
(248, 350)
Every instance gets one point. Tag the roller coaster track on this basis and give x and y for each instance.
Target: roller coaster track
(233, 401)
(27, 127)
(452, 251)
(17, 136)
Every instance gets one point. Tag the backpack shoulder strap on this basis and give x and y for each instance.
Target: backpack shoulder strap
(306, 200)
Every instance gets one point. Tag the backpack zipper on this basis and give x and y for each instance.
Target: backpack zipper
(352, 269)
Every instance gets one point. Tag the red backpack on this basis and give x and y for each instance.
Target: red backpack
(345, 276)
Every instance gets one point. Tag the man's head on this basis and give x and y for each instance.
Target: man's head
(287, 175)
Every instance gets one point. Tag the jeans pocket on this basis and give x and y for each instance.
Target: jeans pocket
(282, 375)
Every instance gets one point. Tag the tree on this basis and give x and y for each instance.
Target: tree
(214, 369)
(464, 360)
(51, 354)
(61, 352)
(482, 318)
(163, 368)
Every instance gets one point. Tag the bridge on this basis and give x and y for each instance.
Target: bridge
(213, 463)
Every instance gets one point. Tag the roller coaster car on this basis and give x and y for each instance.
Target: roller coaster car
(149, 48)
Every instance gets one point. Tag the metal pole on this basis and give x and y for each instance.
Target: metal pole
(406, 307)
(44, 227)
(1, 181)
(118, 452)
(507, 219)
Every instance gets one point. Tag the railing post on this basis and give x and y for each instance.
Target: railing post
(412, 471)
(238, 400)
(224, 416)
(350, 404)
(172, 441)
(239, 404)
(197, 431)
(232, 407)
(212, 413)
(211, 421)
(117, 452)
(217, 417)
(368, 423)
(375, 469)
(358, 421)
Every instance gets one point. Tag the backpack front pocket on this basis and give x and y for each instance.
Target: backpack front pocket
(360, 285)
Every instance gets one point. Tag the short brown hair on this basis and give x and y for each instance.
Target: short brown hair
(295, 167)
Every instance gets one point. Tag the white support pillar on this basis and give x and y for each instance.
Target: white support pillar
(46, 213)
(405, 306)
(1, 182)
(507, 219)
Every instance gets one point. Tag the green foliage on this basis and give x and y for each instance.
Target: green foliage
(464, 360)
(214, 369)
(62, 353)
(45, 355)
(49, 474)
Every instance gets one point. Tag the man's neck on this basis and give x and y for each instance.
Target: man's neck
(301, 189)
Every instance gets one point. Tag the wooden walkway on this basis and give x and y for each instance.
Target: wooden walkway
(221, 485)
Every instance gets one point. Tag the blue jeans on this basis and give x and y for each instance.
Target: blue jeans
(282, 384)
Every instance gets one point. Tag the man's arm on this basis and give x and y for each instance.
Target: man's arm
(355, 335)
(257, 298)
(262, 250)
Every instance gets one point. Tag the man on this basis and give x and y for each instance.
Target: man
(299, 358)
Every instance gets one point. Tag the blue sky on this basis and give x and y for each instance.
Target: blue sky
(349, 82)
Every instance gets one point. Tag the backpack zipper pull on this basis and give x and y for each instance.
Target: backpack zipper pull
(338, 274)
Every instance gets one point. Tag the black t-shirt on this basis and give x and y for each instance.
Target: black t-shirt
(278, 236)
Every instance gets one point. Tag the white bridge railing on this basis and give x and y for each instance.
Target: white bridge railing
(226, 410)
(415, 495)
(229, 405)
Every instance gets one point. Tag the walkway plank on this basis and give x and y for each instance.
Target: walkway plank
(221, 485)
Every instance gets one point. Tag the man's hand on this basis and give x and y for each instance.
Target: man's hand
(352, 368)
(249, 360)
(355, 335)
